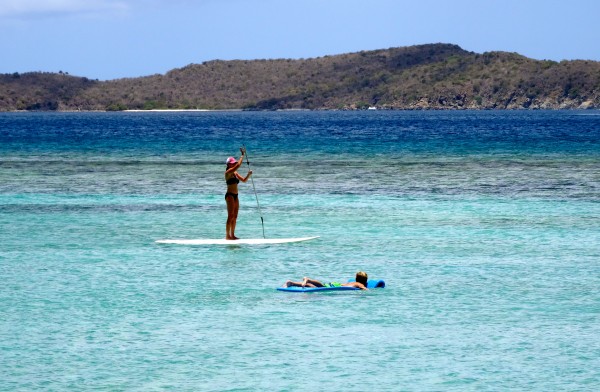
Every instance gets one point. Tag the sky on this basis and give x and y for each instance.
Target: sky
(111, 39)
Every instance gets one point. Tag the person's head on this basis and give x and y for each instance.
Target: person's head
(230, 161)
(362, 277)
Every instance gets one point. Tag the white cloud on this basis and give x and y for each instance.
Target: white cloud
(25, 8)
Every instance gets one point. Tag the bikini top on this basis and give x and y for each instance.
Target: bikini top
(233, 180)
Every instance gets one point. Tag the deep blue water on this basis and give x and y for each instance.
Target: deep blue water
(484, 225)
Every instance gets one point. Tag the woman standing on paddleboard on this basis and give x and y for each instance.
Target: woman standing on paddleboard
(233, 178)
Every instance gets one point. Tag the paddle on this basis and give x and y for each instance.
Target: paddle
(255, 194)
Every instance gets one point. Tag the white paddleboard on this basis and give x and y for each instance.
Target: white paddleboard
(246, 241)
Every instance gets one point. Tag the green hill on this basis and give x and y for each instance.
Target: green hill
(436, 76)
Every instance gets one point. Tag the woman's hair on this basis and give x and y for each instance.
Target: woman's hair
(362, 277)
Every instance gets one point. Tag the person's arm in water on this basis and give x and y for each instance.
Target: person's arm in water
(356, 284)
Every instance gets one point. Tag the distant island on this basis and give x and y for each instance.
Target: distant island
(434, 76)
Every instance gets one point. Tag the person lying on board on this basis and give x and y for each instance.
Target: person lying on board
(361, 282)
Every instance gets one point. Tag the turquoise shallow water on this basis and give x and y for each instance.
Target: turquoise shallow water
(484, 225)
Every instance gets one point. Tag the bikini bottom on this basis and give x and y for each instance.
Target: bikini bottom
(234, 195)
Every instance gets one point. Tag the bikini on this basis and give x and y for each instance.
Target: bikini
(231, 181)
(234, 195)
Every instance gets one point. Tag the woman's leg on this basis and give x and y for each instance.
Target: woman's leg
(230, 217)
(236, 209)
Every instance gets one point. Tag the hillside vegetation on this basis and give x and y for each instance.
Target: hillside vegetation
(436, 76)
